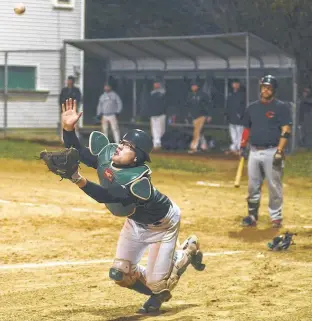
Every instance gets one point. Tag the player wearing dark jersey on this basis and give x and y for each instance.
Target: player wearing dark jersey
(267, 127)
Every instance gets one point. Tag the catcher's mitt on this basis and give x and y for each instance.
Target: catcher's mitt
(63, 163)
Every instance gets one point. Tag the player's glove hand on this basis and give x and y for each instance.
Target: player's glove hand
(244, 152)
(63, 163)
(278, 158)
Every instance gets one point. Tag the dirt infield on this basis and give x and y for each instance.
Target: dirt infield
(44, 220)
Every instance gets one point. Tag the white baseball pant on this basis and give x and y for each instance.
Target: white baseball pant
(236, 132)
(158, 128)
(113, 122)
(160, 240)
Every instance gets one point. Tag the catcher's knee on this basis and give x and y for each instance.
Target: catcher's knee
(123, 273)
(157, 286)
(170, 282)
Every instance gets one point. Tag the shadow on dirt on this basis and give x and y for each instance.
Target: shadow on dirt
(126, 313)
(165, 312)
(252, 234)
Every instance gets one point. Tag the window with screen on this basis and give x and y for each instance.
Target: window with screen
(19, 78)
(69, 4)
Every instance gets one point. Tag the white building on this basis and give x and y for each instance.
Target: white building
(35, 78)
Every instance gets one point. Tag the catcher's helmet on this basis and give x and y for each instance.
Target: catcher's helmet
(269, 80)
(140, 140)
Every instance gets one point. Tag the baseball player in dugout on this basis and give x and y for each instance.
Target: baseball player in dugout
(70, 91)
(267, 128)
(198, 106)
(235, 109)
(152, 219)
(73, 92)
(109, 107)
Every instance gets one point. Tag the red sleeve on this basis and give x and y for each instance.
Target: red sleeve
(245, 137)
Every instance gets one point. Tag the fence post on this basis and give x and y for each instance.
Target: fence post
(62, 82)
(6, 89)
(294, 141)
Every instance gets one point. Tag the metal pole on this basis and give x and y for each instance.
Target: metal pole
(62, 82)
(64, 65)
(6, 89)
(107, 70)
(226, 93)
(226, 89)
(247, 69)
(81, 85)
(82, 58)
(134, 99)
(294, 111)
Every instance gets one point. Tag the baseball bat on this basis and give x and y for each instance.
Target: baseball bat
(239, 172)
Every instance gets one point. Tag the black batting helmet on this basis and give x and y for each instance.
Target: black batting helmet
(142, 142)
(269, 80)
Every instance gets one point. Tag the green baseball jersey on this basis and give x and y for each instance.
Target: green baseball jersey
(141, 201)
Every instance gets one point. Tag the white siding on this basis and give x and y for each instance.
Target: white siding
(42, 27)
(38, 111)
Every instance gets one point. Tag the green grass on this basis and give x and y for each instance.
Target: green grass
(24, 150)
(39, 135)
(297, 165)
(161, 162)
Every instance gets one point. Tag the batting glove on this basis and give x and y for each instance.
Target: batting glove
(278, 158)
(244, 152)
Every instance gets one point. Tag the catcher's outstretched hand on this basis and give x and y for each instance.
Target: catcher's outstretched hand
(63, 163)
(69, 114)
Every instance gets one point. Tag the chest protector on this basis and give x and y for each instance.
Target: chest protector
(97, 141)
(134, 177)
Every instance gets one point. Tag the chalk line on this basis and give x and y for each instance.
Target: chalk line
(298, 226)
(212, 184)
(86, 262)
(225, 185)
(74, 209)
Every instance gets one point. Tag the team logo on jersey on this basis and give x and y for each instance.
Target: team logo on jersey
(109, 174)
(270, 114)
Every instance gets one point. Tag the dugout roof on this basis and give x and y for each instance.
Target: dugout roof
(221, 52)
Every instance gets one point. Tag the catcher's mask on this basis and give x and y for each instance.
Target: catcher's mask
(141, 142)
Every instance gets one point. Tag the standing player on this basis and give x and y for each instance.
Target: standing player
(235, 109)
(153, 220)
(198, 105)
(155, 109)
(267, 125)
(109, 107)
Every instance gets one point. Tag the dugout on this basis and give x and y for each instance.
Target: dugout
(132, 63)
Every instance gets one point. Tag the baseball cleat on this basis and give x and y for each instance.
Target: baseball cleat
(197, 261)
(191, 246)
(249, 221)
(193, 151)
(277, 223)
(153, 304)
